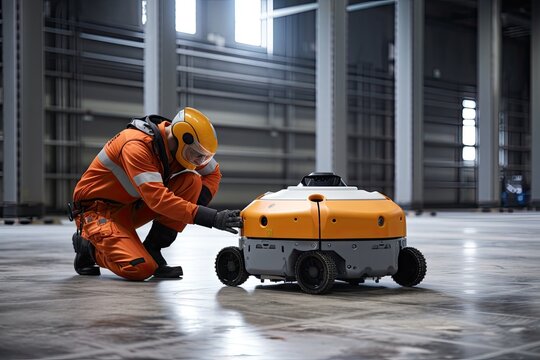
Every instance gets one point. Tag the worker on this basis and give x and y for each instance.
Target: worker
(155, 170)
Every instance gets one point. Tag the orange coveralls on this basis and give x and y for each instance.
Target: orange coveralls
(123, 189)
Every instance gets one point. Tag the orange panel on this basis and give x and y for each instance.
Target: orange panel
(340, 219)
(360, 219)
(285, 219)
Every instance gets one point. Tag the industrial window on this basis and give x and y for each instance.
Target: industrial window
(248, 24)
(185, 14)
(468, 130)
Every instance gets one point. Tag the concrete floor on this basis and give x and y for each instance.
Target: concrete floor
(479, 300)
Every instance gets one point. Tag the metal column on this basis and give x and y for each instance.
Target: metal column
(331, 83)
(489, 75)
(409, 113)
(160, 77)
(24, 172)
(535, 104)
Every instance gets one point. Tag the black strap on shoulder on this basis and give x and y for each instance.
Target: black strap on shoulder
(152, 121)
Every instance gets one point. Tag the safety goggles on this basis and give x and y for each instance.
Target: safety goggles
(196, 154)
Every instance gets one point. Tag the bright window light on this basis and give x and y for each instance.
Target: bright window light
(186, 16)
(469, 135)
(471, 104)
(468, 130)
(247, 23)
(469, 153)
(143, 15)
(469, 114)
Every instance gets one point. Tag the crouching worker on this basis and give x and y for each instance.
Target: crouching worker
(155, 170)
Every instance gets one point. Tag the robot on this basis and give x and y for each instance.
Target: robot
(320, 231)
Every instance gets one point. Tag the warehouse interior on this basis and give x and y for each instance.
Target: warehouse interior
(433, 103)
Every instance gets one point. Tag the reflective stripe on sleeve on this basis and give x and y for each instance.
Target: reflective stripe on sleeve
(146, 177)
(183, 172)
(118, 172)
(209, 168)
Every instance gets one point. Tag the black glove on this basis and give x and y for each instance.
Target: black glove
(227, 220)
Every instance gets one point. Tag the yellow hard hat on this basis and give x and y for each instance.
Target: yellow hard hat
(196, 138)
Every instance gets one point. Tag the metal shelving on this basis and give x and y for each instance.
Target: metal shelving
(371, 129)
(448, 180)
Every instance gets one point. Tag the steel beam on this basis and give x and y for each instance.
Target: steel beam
(11, 108)
(369, 5)
(535, 104)
(489, 78)
(32, 119)
(409, 100)
(238, 77)
(160, 59)
(298, 9)
(23, 108)
(292, 10)
(331, 87)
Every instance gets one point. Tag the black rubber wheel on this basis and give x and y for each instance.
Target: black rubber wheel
(230, 268)
(411, 267)
(315, 272)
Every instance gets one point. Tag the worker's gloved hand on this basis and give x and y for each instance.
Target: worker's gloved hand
(227, 220)
(222, 220)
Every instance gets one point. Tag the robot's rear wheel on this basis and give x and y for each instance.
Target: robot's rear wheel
(315, 272)
(411, 267)
(230, 267)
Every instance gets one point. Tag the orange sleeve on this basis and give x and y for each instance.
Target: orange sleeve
(139, 163)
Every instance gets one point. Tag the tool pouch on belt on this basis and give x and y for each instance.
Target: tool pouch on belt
(91, 218)
(96, 227)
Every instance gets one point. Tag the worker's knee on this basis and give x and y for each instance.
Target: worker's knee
(138, 269)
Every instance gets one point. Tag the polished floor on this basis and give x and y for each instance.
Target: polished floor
(479, 300)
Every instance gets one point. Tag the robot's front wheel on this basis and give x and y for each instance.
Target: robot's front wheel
(315, 272)
(411, 267)
(230, 267)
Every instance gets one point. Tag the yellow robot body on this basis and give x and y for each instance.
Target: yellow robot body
(323, 213)
(321, 231)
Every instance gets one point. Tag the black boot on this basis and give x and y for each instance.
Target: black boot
(84, 263)
(160, 237)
